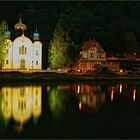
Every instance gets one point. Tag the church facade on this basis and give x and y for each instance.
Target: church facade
(23, 53)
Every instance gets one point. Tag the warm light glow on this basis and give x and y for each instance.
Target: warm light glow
(21, 103)
(78, 89)
(80, 105)
(112, 93)
(22, 54)
(134, 95)
(120, 88)
(78, 70)
(121, 70)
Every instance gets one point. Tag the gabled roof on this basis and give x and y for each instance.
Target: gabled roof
(91, 43)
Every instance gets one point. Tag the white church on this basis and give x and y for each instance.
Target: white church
(23, 54)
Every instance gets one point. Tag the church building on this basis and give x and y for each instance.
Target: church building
(23, 53)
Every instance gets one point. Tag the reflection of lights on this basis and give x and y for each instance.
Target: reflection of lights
(134, 95)
(120, 88)
(29, 100)
(112, 92)
(80, 105)
(27, 90)
(48, 88)
(21, 107)
(78, 89)
(84, 99)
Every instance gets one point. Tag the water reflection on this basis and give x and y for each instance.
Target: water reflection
(125, 90)
(120, 88)
(20, 104)
(62, 104)
(91, 97)
(112, 94)
(56, 102)
(134, 95)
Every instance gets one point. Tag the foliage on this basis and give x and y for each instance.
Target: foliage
(3, 37)
(56, 103)
(59, 50)
(132, 44)
(107, 22)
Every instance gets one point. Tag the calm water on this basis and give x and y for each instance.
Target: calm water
(99, 110)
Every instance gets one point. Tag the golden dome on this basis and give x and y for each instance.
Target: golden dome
(20, 25)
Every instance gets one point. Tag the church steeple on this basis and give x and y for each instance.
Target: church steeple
(36, 35)
(8, 33)
(20, 26)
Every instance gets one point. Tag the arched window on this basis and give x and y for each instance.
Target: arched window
(19, 50)
(22, 50)
(36, 52)
(36, 62)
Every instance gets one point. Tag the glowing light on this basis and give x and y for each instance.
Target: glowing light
(78, 70)
(120, 88)
(121, 70)
(21, 104)
(78, 89)
(29, 48)
(80, 105)
(134, 95)
(112, 93)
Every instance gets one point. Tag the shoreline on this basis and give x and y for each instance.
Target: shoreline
(38, 77)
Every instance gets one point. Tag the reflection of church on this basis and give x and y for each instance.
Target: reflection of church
(21, 103)
(23, 54)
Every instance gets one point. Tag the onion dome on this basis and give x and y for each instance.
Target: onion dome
(36, 35)
(8, 33)
(20, 25)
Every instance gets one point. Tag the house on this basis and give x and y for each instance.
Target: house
(92, 55)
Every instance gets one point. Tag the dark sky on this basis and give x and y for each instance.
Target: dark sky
(10, 10)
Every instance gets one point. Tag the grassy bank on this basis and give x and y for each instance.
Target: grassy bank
(39, 77)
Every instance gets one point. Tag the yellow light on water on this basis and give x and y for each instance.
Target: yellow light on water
(80, 105)
(134, 95)
(120, 88)
(112, 93)
(78, 89)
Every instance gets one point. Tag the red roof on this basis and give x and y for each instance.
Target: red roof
(87, 45)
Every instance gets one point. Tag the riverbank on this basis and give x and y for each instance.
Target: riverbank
(39, 77)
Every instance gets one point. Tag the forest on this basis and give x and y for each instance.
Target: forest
(115, 24)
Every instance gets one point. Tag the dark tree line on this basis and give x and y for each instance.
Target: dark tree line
(116, 25)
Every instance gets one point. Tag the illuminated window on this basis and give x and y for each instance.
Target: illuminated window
(19, 50)
(36, 62)
(91, 55)
(36, 52)
(22, 50)
(7, 62)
